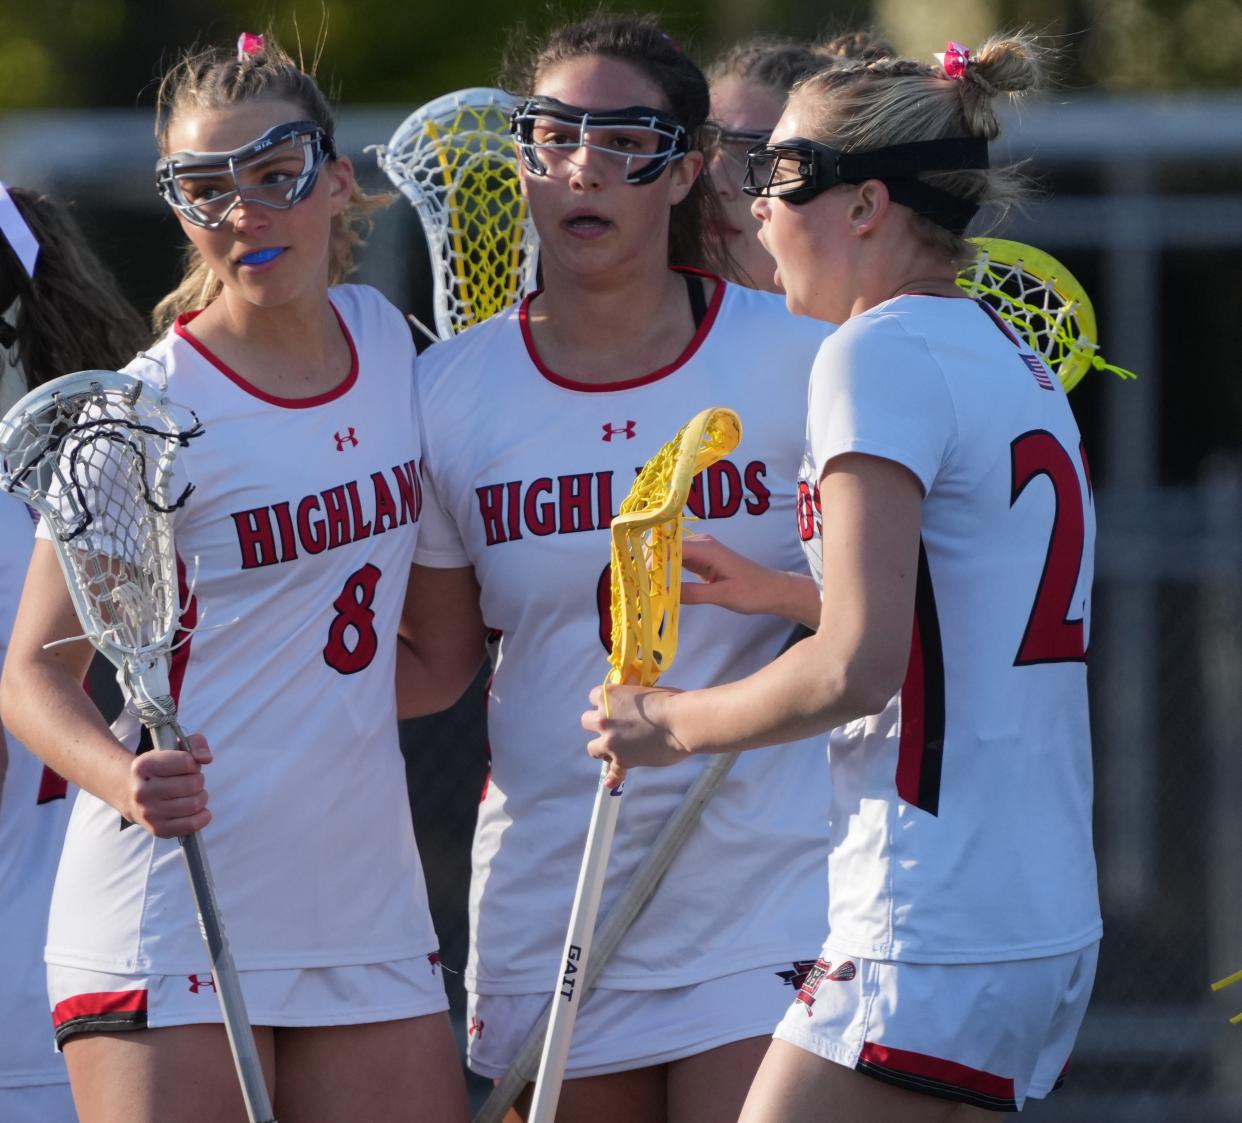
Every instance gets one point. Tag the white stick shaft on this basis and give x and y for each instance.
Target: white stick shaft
(642, 885)
(223, 972)
(568, 993)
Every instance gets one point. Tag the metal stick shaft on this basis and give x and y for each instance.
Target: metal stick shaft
(228, 987)
(637, 893)
(577, 952)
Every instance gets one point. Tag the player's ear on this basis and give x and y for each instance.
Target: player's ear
(684, 172)
(340, 175)
(870, 205)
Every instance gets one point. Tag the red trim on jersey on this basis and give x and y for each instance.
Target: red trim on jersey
(695, 343)
(182, 329)
(937, 1076)
(185, 632)
(920, 750)
(98, 1004)
(1000, 323)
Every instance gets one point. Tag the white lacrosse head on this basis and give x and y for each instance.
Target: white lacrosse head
(455, 161)
(93, 453)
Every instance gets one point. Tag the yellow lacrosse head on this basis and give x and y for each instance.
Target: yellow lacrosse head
(1236, 977)
(646, 547)
(454, 160)
(486, 215)
(1042, 301)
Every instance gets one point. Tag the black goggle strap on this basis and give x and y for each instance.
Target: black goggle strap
(898, 164)
(895, 165)
(522, 126)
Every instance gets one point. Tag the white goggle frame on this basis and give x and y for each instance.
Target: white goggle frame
(177, 173)
(640, 167)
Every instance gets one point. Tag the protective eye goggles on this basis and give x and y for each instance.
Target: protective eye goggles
(734, 144)
(278, 170)
(648, 140)
(796, 170)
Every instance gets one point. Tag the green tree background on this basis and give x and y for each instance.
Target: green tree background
(88, 53)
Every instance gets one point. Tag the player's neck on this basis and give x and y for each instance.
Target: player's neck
(613, 327)
(293, 350)
(905, 268)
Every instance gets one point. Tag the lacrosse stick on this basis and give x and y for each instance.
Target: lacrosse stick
(455, 161)
(606, 940)
(93, 453)
(1043, 302)
(1236, 977)
(646, 595)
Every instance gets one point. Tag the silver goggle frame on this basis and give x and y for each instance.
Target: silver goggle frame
(579, 124)
(733, 144)
(177, 173)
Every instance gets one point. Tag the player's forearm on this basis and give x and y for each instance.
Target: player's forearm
(45, 708)
(796, 597)
(805, 692)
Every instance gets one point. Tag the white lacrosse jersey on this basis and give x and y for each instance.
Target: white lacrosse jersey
(962, 812)
(524, 471)
(300, 531)
(33, 813)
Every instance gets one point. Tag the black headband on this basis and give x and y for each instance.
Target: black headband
(896, 166)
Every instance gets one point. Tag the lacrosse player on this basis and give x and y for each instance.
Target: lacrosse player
(59, 311)
(535, 423)
(296, 540)
(945, 508)
(749, 84)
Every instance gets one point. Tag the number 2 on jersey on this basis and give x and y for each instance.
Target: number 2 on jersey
(353, 610)
(1051, 636)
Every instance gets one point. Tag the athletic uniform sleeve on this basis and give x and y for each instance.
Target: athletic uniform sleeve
(876, 389)
(440, 544)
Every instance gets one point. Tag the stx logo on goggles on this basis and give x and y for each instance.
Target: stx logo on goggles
(549, 132)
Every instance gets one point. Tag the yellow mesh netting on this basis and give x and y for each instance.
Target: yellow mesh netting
(1042, 301)
(486, 212)
(455, 161)
(646, 547)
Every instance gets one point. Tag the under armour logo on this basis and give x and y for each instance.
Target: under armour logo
(476, 1028)
(349, 436)
(197, 983)
(611, 431)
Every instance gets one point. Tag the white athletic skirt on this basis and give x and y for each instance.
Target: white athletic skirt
(987, 1034)
(619, 1030)
(97, 1002)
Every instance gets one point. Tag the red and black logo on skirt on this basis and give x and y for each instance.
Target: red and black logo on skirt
(822, 970)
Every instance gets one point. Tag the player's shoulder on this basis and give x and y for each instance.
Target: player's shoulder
(900, 324)
(751, 310)
(757, 330)
(476, 354)
(156, 363)
(363, 307)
